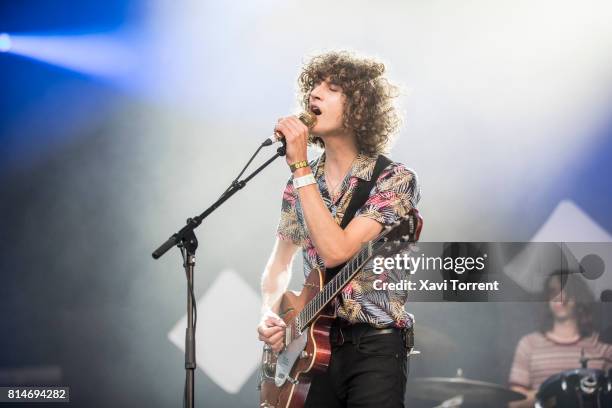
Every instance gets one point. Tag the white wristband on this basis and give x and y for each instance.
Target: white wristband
(304, 181)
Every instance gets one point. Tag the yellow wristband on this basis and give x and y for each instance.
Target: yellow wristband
(298, 165)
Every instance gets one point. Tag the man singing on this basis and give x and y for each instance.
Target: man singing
(352, 102)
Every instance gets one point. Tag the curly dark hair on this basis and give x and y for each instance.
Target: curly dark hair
(369, 110)
(573, 285)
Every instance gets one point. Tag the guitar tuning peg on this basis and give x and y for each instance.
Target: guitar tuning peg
(397, 242)
(405, 237)
(385, 239)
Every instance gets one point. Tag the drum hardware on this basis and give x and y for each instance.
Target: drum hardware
(580, 387)
(588, 384)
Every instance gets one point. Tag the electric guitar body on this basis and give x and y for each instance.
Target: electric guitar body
(310, 353)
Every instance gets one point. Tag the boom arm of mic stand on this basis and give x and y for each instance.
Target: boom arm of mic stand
(188, 242)
(193, 223)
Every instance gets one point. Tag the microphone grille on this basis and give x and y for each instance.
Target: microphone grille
(308, 118)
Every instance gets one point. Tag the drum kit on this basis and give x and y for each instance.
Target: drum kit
(582, 387)
(577, 388)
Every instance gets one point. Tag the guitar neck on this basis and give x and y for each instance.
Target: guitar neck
(407, 229)
(334, 286)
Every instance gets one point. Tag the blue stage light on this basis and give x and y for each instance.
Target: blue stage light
(107, 55)
(5, 42)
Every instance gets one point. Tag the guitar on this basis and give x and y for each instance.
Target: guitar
(285, 378)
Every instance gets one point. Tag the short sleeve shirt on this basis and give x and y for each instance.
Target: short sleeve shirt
(395, 192)
(538, 357)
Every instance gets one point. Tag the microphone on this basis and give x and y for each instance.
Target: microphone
(307, 118)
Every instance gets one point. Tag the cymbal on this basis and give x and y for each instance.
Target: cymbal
(472, 391)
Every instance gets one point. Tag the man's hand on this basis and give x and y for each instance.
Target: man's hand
(296, 136)
(271, 330)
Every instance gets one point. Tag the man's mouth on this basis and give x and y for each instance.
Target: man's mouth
(315, 109)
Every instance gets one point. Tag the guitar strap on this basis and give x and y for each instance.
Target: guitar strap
(360, 196)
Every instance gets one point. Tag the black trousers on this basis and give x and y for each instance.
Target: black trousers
(364, 372)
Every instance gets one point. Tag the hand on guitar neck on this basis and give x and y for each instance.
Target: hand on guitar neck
(271, 330)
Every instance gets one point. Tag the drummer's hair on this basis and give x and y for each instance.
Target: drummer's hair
(574, 287)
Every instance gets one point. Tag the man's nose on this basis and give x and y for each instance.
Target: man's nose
(316, 92)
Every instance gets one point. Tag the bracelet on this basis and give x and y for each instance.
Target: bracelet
(304, 181)
(298, 165)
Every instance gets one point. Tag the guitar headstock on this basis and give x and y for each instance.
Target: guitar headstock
(404, 230)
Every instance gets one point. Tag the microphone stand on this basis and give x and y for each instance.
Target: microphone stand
(187, 242)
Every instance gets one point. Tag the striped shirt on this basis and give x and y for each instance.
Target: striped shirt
(537, 357)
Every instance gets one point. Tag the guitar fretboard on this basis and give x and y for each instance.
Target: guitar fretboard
(385, 240)
(331, 289)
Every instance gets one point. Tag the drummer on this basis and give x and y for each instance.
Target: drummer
(566, 329)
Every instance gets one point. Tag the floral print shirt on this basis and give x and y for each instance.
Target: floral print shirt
(395, 193)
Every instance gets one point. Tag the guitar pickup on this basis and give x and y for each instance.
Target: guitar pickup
(288, 335)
